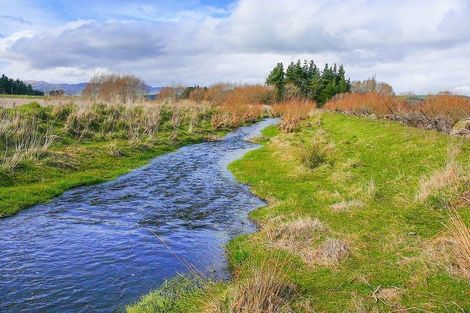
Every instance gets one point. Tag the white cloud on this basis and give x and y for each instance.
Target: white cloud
(416, 45)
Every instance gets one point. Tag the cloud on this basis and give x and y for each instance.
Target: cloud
(416, 45)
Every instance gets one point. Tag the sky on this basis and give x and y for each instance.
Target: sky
(420, 46)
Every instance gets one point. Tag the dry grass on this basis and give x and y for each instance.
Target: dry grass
(292, 113)
(439, 179)
(450, 250)
(266, 289)
(331, 252)
(286, 234)
(460, 237)
(346, 206)
(22, 139)
(300, 237)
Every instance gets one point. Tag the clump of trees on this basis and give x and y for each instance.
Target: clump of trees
(371, 85)
(306, 80)
(17, 87)
(115, 88)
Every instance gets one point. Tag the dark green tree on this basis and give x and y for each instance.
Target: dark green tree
(307, 81)
(277, 79)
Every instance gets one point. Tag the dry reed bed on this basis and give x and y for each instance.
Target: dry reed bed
(440, 112)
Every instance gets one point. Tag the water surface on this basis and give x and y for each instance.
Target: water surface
(93, 249)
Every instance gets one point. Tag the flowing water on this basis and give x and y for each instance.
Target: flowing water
(93, 249)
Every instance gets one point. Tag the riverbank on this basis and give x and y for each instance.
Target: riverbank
(48, 150)
(363, 216)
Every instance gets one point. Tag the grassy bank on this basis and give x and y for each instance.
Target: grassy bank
(47, 150)
(363, 216)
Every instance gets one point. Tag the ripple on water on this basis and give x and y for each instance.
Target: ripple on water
(92, 249)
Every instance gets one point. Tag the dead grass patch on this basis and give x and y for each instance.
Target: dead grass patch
(304, 237)
(390, 296)
(346, 206)
(331, 252)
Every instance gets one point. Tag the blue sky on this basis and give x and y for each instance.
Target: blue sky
(416, 45)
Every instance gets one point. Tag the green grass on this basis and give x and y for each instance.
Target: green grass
(379, 163)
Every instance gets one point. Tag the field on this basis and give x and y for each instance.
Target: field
(364, 216)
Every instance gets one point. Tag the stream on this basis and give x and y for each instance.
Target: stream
(94, 248)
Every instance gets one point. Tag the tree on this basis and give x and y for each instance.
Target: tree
(115, 88)
(16, 87)
(307, 81)
(277, 79)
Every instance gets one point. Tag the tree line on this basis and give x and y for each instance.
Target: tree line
(306, 80)
(17, 87)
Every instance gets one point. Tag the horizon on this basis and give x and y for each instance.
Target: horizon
(419, 46)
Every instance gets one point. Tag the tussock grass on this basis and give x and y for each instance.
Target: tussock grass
(167, 298)
(293, 232)
(304, 237)
(331, 252)
(265, 289)
(316, 152)
(460, 236)
(450, 179)
(440, 179)
(22, 139)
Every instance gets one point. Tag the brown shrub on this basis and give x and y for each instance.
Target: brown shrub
(292, 113)
(439, 112)
(114, 88)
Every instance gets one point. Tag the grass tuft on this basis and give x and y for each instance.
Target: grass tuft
(265, 289)
(460, 235)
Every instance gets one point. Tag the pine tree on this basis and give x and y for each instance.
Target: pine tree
(277, 79)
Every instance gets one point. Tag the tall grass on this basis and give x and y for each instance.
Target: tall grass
(22, 139)
(27, 132)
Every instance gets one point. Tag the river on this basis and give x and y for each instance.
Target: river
(93, 249)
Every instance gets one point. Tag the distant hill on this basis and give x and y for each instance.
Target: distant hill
(75, 89)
